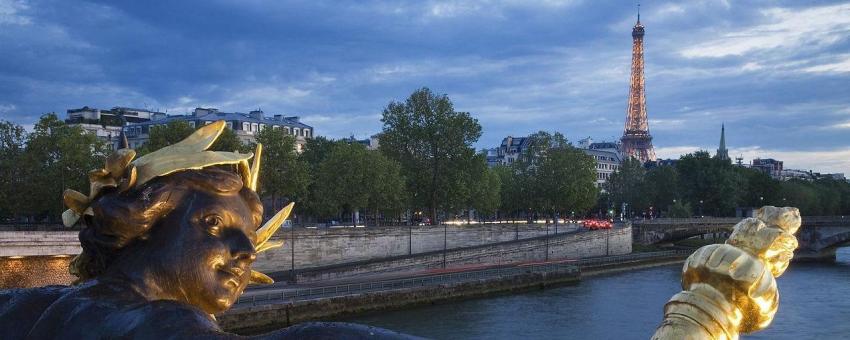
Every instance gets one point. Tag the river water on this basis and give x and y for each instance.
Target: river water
(814, 304)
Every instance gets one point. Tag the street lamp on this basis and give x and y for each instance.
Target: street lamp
(700, 208)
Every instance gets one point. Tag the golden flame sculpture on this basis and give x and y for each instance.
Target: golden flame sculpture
(122, 172)
(729, 289)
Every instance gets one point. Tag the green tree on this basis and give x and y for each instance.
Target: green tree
(680, 209)
(661, 187)
(340, 179)
(566, 181)
(487, 193)
(316, 150)
(351, 178)
(387, 195)
(433, 143)
(842, 190)
(802, 195)
(58, 157)
(12, 146)
(711, 181)
(509, 191)
(481, 188)
(759, 189)
(554, 176)
(626, 185)
(283, 176)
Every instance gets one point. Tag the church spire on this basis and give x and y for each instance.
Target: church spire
(722, 153)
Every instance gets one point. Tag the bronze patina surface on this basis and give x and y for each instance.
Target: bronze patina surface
(729, 289)
(168, 241)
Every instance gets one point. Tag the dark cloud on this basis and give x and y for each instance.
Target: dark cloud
(776, 73)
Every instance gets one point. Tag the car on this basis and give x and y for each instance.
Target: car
(597, 224)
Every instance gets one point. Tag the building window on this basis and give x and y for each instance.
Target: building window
(287, 130)
(262, 127)
(192, 124)
(275, 127)
(255, 127)
(307, 133)
(246, 126)
(230, 125)
(296, 131)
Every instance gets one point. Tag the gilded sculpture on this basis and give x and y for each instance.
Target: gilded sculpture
(729, 289)
(168, 242)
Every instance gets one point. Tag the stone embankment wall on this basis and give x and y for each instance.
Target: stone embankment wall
(257, 319)
(573, 245)
(39, 243)
(322, 247)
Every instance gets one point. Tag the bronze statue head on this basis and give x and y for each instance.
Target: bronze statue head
(188, 236)
(178, 224)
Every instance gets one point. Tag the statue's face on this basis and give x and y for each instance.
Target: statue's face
(204, 249)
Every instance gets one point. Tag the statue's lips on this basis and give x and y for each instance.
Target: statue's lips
(232, 276)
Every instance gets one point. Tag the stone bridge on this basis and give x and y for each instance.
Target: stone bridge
(819, 236)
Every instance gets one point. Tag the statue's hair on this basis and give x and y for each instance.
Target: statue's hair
(121, 218)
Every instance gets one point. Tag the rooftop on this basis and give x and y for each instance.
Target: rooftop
(214, 115)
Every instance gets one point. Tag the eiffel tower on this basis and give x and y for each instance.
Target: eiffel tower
(637, 142)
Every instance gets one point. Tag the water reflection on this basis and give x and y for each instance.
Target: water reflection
(815, 303)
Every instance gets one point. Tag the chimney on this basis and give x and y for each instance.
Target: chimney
(293, 118)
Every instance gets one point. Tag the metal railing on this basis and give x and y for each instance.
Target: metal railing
(807, 220)
(567, 266)
(680, 221)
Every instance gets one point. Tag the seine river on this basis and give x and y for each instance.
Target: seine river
(814, 304)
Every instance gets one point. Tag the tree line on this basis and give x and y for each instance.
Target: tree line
(699, 184)
(426, 170)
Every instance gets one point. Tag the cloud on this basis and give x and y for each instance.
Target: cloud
(787, 29)
(840, 66)
(456, 8)
(674, 152)
(10, 12)
(844, 125)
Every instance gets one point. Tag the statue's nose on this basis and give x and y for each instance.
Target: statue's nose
(241, 247)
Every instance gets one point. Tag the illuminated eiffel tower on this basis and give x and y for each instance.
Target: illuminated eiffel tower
(637, 142)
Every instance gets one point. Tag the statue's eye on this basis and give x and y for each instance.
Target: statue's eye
(214, 223)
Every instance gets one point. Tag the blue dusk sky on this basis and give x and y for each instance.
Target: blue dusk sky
(776, 72)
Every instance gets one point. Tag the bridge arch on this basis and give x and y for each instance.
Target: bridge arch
(820, 243)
